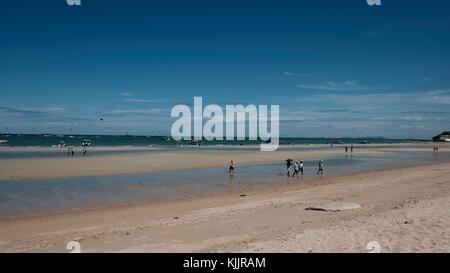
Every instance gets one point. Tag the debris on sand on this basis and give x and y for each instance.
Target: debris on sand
(334, 207)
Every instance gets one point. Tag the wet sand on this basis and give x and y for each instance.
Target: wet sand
(156, 161)
(403, 210)
(147, 162)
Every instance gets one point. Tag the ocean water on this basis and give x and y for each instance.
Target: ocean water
(20, 197)
(104, 140)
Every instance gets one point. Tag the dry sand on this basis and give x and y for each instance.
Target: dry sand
(403, 210)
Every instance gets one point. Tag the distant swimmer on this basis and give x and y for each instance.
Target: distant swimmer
(84, 151)
(321, 166)
(232, 166)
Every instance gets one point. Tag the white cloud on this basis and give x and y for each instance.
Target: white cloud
(291, 74)
(125, 94)
(141, 100)
(135, 111)
(438, 96)
(336, 86)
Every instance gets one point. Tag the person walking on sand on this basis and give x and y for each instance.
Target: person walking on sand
(232, 166)
(351, 149)
(301, 167)
(346, 149)
(296, 169)
(321, 165)
(289, 166)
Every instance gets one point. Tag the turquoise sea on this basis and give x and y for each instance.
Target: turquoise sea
(17, 140)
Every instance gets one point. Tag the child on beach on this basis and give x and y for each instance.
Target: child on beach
(321, 165)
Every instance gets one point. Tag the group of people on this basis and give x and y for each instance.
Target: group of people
(71, 151)
(351, 149)
(296, 168)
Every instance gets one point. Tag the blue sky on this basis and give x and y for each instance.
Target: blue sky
(336, 68)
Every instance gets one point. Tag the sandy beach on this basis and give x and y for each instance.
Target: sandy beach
(401, 210)
(144, 163)
(130, 162)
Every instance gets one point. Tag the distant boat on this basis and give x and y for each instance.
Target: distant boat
(166, 139)
(86, 143)
(195, 143)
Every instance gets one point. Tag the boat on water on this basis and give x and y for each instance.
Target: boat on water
(195, 143)
(166, 139)
(86, 143)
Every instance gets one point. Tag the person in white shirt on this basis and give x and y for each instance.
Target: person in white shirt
(301, 167)
(296, 168)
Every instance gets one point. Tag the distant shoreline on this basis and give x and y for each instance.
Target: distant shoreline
(53, 140)
(100, 162)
